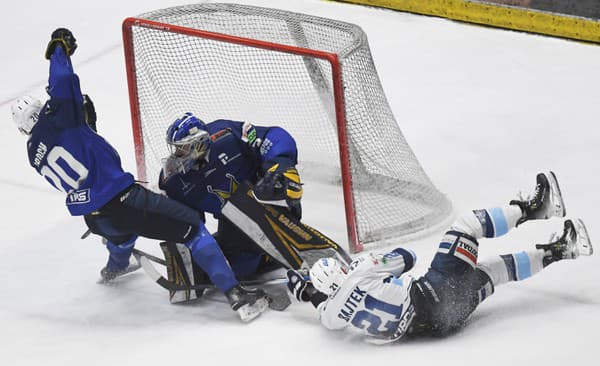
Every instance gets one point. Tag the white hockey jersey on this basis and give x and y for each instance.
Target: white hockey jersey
(374, 297)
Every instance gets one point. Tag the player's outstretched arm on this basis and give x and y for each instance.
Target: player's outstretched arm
(63, 83)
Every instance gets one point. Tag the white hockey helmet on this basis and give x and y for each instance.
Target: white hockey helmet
(25, 113)
(327, 274)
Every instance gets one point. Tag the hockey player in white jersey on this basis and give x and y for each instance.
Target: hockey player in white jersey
(375, 295)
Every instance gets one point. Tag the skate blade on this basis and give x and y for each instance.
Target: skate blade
(583, 244)
(558, 203)
(111, 281)
(249, 312)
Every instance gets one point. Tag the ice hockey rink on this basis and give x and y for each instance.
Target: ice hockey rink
(484, 110)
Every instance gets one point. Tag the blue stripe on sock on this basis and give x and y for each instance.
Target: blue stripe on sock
(499, 221)
(509, 262)
(523, 265)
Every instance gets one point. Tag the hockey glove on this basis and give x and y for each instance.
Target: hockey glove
(281, 186)
(61, 37)
(298, 286)
(89, 112)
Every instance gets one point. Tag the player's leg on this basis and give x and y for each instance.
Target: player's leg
(243, 255)
(246, 258)
(119, 244)
(572, 243)
(442, 297)
(455, 284)
(125, 217)
(493, 222)
(157, 217)
(544, 203)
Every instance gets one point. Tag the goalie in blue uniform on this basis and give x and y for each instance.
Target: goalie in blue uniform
(209, 160)
(74, 159)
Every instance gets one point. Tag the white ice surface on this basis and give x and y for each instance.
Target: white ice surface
(484, 111)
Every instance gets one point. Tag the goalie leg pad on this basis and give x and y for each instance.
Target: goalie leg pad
(182, 270)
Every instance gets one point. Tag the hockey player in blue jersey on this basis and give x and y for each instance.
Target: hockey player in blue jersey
(76, 160)
(209, 160)
(376, 296)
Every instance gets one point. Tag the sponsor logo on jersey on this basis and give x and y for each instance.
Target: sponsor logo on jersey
(41, 151)
(404, 323)
(225, 159)
(351, 304)
(78, 197)
(219, 134)
(223, 195)
(249, 135)
(467, 251)
(265, 147)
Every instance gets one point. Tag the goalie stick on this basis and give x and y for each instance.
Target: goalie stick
(278, 301)
(277, 232)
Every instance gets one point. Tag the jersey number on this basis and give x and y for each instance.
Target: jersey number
(64, 171)
(374, 320)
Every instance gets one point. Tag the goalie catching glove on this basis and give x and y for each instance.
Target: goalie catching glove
(281, 186)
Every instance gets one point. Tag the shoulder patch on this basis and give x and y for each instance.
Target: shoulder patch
(220, 134)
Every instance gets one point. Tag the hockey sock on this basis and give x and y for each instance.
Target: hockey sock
(119, 254)
(488, 223)
(498, 221)
(513, 267)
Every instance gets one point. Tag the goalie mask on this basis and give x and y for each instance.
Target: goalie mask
(25, 113)
(327, 274)
(188, 142)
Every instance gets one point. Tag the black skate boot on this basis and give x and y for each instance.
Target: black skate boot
(575, 241)
(546, 202)
(248, 303)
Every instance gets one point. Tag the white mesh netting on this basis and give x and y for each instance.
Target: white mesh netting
(175, 73)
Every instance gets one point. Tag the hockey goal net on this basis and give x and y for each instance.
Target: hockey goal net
(312, 76)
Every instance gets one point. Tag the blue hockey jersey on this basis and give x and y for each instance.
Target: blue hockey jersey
(238, 152)
(63, 149)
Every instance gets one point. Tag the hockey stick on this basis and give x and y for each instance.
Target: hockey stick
(150, 257)
(151, 271)
(277, 301)
(155, 259)
(135, 251)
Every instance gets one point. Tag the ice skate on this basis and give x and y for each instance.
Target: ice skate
(574, 241)
(545, 203)
(107, 275)
(248, 303)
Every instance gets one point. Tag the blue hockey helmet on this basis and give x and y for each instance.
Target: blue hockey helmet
(188, 141)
